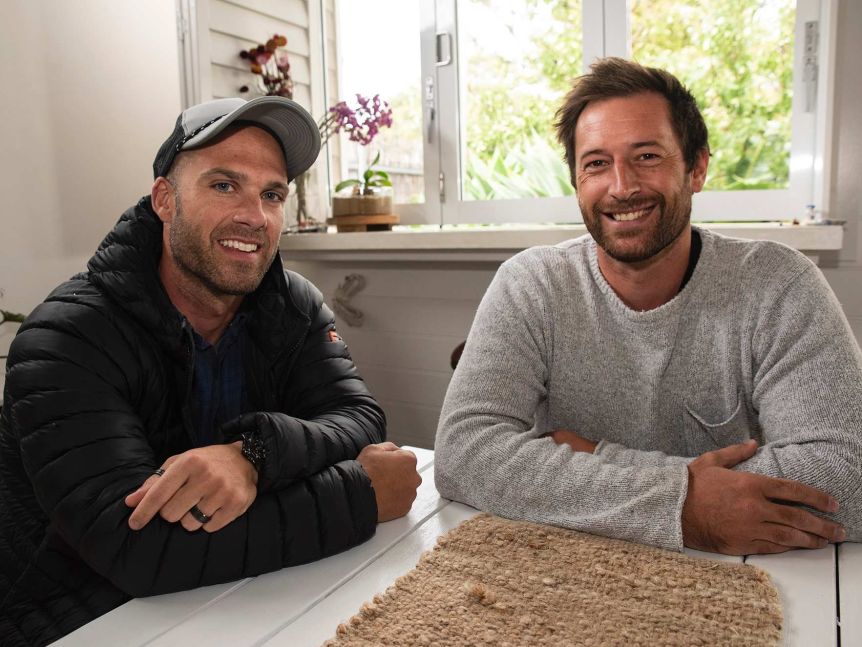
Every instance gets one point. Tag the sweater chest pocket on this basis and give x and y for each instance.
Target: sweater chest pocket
(706, 432)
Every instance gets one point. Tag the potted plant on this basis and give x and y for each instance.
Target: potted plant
(370, 194)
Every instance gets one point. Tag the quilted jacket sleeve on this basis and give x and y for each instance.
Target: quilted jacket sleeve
(333, 415)
(83, 447)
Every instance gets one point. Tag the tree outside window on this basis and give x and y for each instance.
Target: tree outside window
(519, 59)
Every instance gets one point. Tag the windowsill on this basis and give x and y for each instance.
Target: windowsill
(498, 242)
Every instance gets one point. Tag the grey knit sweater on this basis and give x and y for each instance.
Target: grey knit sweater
(755, 346)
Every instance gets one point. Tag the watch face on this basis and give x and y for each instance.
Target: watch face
(253, 450)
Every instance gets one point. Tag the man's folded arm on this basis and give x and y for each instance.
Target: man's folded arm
(318, 516)
(82, 491)
(626, 456)
(808, 392)
(487, 456)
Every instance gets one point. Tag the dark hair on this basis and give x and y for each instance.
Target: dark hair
(617, 77)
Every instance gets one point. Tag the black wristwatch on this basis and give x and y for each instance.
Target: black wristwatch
(253, 449)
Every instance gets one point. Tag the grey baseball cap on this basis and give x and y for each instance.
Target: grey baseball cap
(286, 120)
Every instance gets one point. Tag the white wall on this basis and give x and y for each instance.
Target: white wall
(844, 270)
(90, 91)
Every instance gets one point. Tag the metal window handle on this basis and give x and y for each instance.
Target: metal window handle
(430, 129)
(429, 106)
(444, 55)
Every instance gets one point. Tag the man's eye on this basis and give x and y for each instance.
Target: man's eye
(273, 196)
(595, 164)
(224, 187)
(649, 156)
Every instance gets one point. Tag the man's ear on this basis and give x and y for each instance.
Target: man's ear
(162, 195)
(698, 171)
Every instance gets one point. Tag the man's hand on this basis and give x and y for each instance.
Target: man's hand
(217, 479)
(738, 513)
(574, 440)
(393, 476)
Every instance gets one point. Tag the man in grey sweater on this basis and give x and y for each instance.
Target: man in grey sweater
(653, 381)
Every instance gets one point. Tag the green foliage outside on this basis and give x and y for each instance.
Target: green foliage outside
(735, 56)
(509, 103)
(531, 168)
(739, 65)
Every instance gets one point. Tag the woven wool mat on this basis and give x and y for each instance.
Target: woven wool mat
(492, 581)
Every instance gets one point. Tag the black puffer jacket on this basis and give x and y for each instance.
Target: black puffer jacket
(96, 398)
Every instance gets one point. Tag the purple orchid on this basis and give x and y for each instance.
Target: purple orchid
(361, 124)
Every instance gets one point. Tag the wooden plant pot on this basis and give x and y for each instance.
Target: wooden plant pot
(365, 205)
(362, 213)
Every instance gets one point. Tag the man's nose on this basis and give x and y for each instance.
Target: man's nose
(251, 213)
(625, 182)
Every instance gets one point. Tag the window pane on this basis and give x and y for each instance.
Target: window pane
(516, 61)
(736, 56)
(377, 58)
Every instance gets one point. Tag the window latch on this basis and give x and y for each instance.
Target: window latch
(429, 107)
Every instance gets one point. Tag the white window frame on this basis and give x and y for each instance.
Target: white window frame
(607, 33)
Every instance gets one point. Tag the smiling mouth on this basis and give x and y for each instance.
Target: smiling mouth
(239, 245)
(628, 216)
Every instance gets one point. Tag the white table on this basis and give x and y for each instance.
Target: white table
(303, 605)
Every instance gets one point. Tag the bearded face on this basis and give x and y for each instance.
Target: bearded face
(664, 218)
(230, 260)
(634, 188)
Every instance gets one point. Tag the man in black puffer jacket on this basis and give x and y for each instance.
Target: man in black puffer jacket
(185, 413)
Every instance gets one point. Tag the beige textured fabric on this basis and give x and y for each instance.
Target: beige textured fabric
(491, 581)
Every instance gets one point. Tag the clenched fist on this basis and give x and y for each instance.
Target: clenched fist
(393, 476)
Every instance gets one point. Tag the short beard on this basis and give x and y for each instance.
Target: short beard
(195, 261)
(671, 224)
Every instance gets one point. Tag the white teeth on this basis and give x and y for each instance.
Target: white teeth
(631, 215)
(235, 244)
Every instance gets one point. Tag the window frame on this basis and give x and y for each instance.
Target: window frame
(607, 33)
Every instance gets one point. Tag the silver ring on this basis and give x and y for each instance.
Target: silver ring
(159, 472)
(199, 515)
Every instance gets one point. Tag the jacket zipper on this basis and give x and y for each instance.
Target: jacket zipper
(190, 363)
